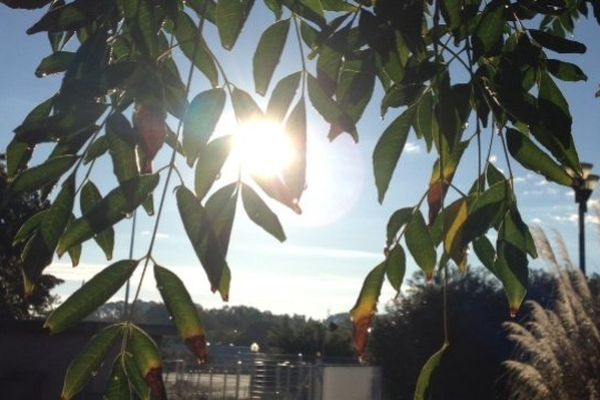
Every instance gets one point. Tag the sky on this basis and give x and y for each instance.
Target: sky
(341, 234)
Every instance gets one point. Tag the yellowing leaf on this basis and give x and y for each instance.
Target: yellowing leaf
(363, 311)
(181, 307)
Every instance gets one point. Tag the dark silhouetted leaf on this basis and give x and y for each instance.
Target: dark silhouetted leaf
(261, 214)
(230, 20)
(57, 62)
(202, 236)
(268, 53)
(244, 106)
(294, 174)
(210, 162)
(557, 43)
(200, 120)
(282, 96)
(117, 387)
(194, 47)
(566, 71)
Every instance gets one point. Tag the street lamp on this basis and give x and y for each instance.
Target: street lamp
(584, 186)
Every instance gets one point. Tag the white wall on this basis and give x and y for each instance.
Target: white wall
(351, 383)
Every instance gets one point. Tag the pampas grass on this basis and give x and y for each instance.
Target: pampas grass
(558, 356)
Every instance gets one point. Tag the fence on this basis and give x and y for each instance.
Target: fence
(253, 376)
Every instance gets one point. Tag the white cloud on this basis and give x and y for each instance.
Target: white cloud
(493, 158)
(159, 235)
(541, 182)
(536, 221)
(411, 147)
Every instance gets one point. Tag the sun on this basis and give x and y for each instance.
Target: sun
(262, 148)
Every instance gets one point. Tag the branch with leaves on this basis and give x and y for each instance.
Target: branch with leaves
(120, 82)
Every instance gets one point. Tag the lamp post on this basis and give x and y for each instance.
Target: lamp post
(584, 186)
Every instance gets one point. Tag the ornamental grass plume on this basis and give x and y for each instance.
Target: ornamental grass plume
(558, 349)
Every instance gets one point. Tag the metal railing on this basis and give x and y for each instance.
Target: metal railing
(256, 376)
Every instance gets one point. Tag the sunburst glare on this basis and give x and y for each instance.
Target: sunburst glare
(262, 148)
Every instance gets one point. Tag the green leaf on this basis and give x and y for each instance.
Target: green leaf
(313, 5)
(147, 359)
(97, 148)
(121, 147)
(29, 227)
(532, 158)
(294, 174)
(220, 209)
(70, 17)
(282, 96)
(275, 7)
(277, 189)
(144, 21)
(58, 215)
(565, 71)
(557, 43)
(397, 220)
(366, 305)
(485, 252)
(117, 387)
(36, 256)
(400, 95)
(210, 162)
(57, 62)
(194, 47)
(17, 155)
(268, 53)
(244, 106)
(420, 245)
(337, 5)
(88, 362)
(110, 210)
(230, 20)
(511, 265)
(90, 196)
(34, 178)
(201, 235)
(181, 307)
(135, 377)
(427, 374)
(90, 296)
(200, 120)
(396, 267)
(485, 209)
(489, 30)
(329, 109)
(553, 129)
(388, 150)
(261, 214)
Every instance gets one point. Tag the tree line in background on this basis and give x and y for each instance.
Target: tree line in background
(13, 213)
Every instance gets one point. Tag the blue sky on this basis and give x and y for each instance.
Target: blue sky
(340, 236)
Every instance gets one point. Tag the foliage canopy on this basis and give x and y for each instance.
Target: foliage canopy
(120, 82)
